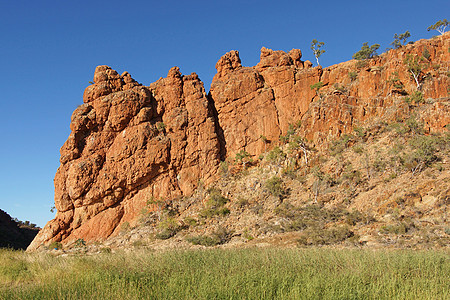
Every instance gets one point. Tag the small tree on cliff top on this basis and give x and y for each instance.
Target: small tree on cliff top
(366, 52)
(400, 39)
(439, 26)
(315, 47)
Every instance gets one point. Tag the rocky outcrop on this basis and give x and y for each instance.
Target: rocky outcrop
(134, 146)
(130, 147)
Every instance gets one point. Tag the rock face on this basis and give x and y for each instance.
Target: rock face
(134, 146)
(130, 147)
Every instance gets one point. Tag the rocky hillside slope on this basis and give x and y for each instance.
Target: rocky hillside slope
(15, 235)
(136, 149)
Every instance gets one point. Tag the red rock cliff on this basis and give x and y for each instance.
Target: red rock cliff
(132, 144)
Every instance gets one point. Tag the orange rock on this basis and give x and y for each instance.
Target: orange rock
(130, 143)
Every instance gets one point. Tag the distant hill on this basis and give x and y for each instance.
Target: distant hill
(14, 233)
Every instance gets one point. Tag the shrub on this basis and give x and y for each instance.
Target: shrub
(242, 157)
(165, 234)
(203, 240)
(322, 236)
(190, 221)
(160, 126)
(360, 132)
(224, 167)
(359, 149)
(339, 145)
(169, 227)
(55, 245)
(276, 155)
(426, 54)
(215, 198)
(352, 175)
(425, 148)
(316, 86)
(400, 39)
(416, 97)
(360, 64)
(242, 202)
(366, 52)
(352, 75)
(214, 205)
(105, 250)
(398, 228)
(395, 82)
(275, 186)
(218, 237)
(80, 243)
(354, 217)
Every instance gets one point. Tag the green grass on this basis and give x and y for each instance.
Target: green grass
(228, 274)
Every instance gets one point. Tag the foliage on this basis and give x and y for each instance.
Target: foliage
(411, 125)
(424, 153)
(160, 126)
(275, 186)
(426, 54)
(218, 237)
(224, 168)
(214, 205)
(169, 227)
(25, 224)
(203, 240)
(415, 66)
(326, 236)
(440, 26)
(400, 39)
(313, 221)
(416, 97)
(276, 155)
(315, 47)
(55, 245)
(352, 75)
(352, 175)
(366, 52)
(242, 157)
(337, 146)
(397, 228)
(340, 88)
(316, 86)
(360, 64)
(395, 82)
(80, 243)
(165, 234)
(290, 133)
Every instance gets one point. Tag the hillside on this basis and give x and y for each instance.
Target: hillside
(278, 153)
(15, 235)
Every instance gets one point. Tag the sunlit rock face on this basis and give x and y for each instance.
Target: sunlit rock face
(131, 144)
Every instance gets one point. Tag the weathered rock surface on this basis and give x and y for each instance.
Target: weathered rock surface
(132, 146)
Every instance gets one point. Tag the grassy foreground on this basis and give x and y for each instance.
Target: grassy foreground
(228, 274)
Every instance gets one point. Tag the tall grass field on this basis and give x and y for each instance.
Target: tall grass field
(257, 273)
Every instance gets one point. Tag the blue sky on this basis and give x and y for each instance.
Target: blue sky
(49, 50)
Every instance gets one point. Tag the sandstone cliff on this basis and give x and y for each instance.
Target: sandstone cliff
(134, 146)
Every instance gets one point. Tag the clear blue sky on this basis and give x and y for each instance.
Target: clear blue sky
(49, 50)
